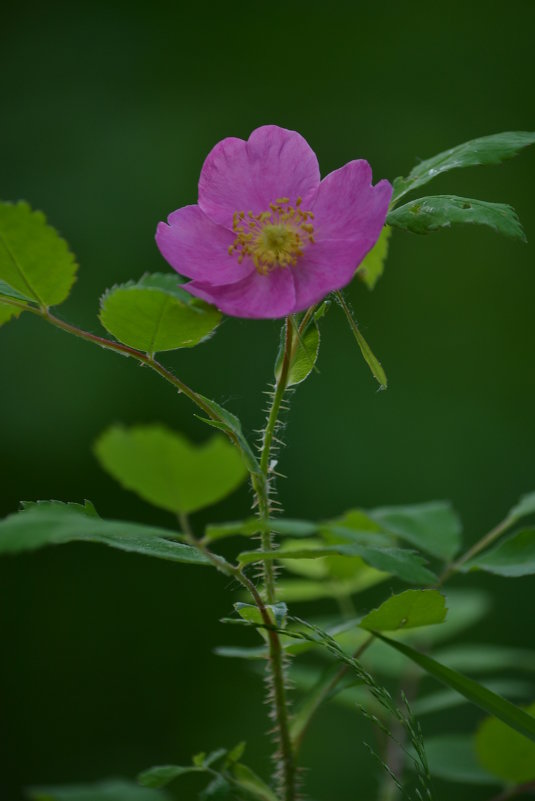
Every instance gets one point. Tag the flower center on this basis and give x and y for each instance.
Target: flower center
(274, 238)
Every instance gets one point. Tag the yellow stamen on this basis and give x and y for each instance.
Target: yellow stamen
(275, 238)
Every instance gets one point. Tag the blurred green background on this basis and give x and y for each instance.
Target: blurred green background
(108, 110)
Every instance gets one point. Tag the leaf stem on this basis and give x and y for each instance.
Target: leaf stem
(479, 546)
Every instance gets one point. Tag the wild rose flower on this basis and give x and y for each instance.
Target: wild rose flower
(268, 236)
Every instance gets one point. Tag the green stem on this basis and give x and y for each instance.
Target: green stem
(479, 546)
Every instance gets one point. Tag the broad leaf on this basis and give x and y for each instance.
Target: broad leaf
(8, 312)
(34, 260)
(155, 314)
(514, 556)
(433, 527)
(504, 753)
(485, 150)
(452, 757)
(372, 268)
(163, 468)
(427, 214)
(407, 610)
(113, 790)
(510, 714)
(407, 565)
(55, 523)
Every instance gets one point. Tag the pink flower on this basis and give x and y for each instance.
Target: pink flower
(268, 236)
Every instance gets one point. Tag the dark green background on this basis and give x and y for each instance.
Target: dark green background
(107, 112)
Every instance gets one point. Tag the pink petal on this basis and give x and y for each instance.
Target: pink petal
(248, 176)
(326, 266)
(258, 296)
(198, 248)
(347, 206)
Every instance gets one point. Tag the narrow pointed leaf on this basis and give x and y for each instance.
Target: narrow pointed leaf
(485, 150)
(427, 214)
(255, 787)
(513, 716)
(55, 523)
(369, 357)
(155, 314)
(163, 468)
(34, 261)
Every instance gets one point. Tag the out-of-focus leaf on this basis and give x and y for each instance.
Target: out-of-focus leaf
(504, 753)
(251, 784)
(513, 716)
(452, 757)
(407, 610)
(162, 775)
(163, 468)
(524, 507)
(297, 590)
(514, 556)
(372, 268)
(253, 525)
(447, 699)
(483, 658)
(427, 214)
(433, 527)
(112, 790)
(155, 314)
(491, 149)
(34, 260)
(55, 523)
(407, 565)
(8, 312)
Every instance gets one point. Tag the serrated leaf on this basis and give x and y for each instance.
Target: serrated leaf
(434, 527)
(512, 557)
(231, 425)
(452, 757)
(485, 150)
(54, 523)
(34, 260)
(407, 610)
(372, 268)
(504, 753)
(427, 214)
(155, 314)
(513, 716)
(407, 565)
(112, 790)
(163, 468)
(369, 357)
(304, 352)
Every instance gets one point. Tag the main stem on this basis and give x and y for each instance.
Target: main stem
(288, 771)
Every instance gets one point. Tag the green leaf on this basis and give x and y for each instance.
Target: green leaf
(252, 784)
(286, 527)
(369, 357)
(8, 312)
(163, 468)
(484, 658)
(9, 292)
(55, 523)
(372, 268)
(300, 590)
(305, 350)
(112, 790)
(218, 789)
(452, 757)
(434, 527)
(231, 425)
(155, 314)
(447, 699)
(485, 150)
(426, 214)
(510, 714)
(34, 260)
(504, 753)
(514, 556)
(407, 610)
(407, 565)
(524, 508)
(162, 775)
(277, 613)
